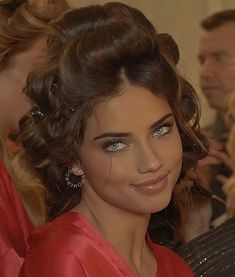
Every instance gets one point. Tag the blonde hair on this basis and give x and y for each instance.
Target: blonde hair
(30, 189)
(33, 194)
(19, 30)
(26, 25)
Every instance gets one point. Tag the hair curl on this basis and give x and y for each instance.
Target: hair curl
(92, 52)
(19, 30)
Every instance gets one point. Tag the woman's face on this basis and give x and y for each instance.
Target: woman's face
(13, 103)
(131, 153)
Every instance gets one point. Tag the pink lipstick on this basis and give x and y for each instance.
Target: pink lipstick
(152, 186)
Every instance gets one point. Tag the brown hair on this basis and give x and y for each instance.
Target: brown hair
(8, 7)
(91, 55)
(167, 45)
(217, 19)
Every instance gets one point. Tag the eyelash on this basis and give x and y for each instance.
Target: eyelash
(168, 125)
(109, 143)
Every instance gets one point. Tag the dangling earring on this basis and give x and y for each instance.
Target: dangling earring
(79, 174)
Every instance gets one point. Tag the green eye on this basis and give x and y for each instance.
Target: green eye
(114, 145)
(161, 131)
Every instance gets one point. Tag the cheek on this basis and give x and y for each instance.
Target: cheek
(24, 107)
(229, 74)
(15, 83)
(175, 143)
(13, 107)
(178, 149)
(18, 77)
(21, 103)
(174, 153)
(103, 169)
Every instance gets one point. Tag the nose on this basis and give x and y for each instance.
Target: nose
(148, 159)
(207, 69)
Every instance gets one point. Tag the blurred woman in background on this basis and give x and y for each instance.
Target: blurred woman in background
(23, 39)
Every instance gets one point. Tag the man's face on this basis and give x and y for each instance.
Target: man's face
(217, 58)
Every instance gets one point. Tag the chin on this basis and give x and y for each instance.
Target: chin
(162, 207)
(158, 205)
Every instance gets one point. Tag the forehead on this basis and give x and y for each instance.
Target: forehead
(34, 55)
(134, 108)
(221, 39)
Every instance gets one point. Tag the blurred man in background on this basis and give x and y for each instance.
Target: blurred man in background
(217, 81)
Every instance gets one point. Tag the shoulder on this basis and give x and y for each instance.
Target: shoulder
(10, 200)
(13, 215)
(170, 262)
(206, 247)
(5, 177)
(51, 263)
(56, 245)
(15, 225)
(7, 187)
(59, 234)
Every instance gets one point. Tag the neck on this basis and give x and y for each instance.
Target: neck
(125, 231)
(128, 225)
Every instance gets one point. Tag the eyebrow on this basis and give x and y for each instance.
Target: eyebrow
(219, 53)
(213, 54)
(122, 134)
(161, 120)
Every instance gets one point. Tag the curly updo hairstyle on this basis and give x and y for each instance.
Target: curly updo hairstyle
(92, 52)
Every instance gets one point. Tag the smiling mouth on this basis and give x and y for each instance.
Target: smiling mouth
(152, 181)
(152, 186)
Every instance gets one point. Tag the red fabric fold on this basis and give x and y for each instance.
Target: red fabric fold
(71, 246)
(15, 226)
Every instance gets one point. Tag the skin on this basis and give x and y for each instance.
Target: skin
(13, 103)
(217, 59)
(115, 165)
(217, 78)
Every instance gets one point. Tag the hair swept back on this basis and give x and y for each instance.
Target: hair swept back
(91, 55)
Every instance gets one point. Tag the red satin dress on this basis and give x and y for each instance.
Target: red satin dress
(15, 227)
(70, 246)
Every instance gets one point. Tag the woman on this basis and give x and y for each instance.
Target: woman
(23, 35)
(111, 139)
(15, 224)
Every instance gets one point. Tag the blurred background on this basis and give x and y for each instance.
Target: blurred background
(181, 19)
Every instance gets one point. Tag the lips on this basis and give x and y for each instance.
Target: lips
(155, 185)
(150, 182)
(209, 91)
